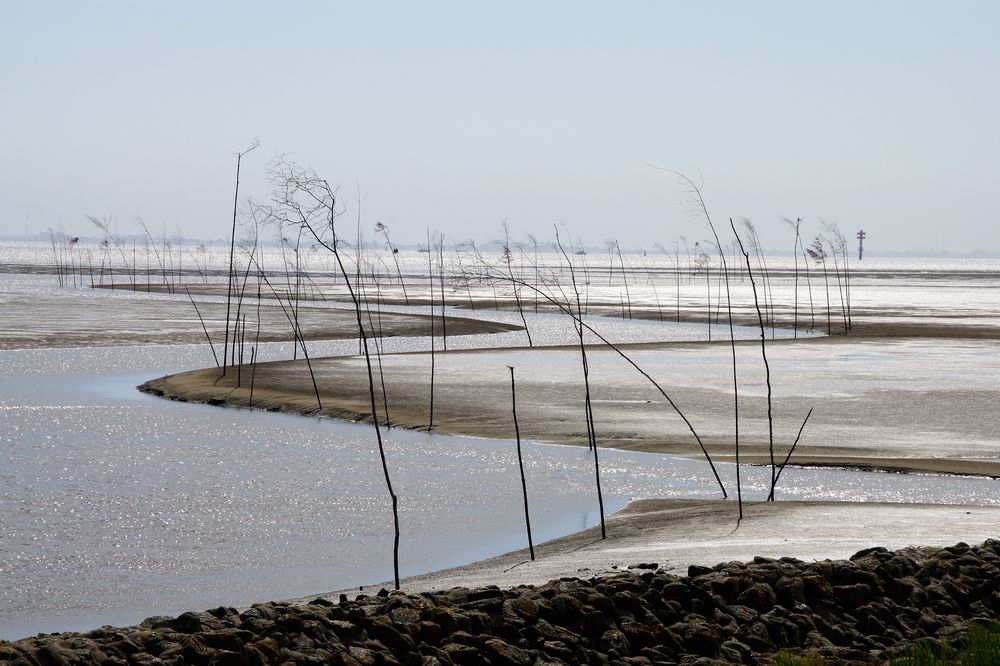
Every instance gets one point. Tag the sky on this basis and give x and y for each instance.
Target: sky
(456, 116)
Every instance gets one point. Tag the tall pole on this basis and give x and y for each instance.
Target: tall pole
(232, 251)
(520, 462)
(861, 244)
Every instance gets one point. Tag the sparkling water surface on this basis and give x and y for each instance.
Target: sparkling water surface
(118, 505)
(115, 505)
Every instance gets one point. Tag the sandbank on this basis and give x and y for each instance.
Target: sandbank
(674, 534)
(40, 321)
(923, 411)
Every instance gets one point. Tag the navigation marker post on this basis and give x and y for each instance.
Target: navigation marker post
(861, 243)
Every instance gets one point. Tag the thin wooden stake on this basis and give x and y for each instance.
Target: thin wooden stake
(520, 462)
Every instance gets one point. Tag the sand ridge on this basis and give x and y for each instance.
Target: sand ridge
(675, 534)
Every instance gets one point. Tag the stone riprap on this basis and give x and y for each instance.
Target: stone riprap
(859, 610)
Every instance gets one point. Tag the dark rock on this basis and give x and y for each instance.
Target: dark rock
(789, 591)
(361, 656)
(929, 623)
(816, 587)
(345, 630)
(429, 632)
(489, 592)
(700, 639)
(558, 650)
(187, 623)
(500, 652)
(852, 596)
(232, 640)
(862, 609)
(782, 631)
(451, 621)
(520, 608)
(645, 565)
(701, 606)
(735, 652)
(677, 591)
(757, 637)
(382, 630)
(463, 654)
(405, 616)
(614, 639)
(566, 608)
(431, 660)
(479, 623)
(868, 551)
(758, 596)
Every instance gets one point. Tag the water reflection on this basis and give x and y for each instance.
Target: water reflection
(115, 505)
(119, 505)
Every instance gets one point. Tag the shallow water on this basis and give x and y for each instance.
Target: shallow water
(115, 505)
(119, 505)
(958, 290)
(32, 303)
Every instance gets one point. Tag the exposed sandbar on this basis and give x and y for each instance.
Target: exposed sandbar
(930, 407)
(677, 533)
(39, 321)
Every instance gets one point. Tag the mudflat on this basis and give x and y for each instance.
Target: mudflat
(119, 318)
(928, 408)
(674, 534)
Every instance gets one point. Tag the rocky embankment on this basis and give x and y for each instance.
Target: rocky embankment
(859, 610)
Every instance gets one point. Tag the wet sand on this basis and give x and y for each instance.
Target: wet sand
(865, 323)
(927, 428)
(38, 321)
(919, 412)
(677, 533)
(940, 428)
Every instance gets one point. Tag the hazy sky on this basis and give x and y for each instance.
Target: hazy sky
(457, 115)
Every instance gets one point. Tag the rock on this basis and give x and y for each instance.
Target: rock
(232, 640)
(520, 608)
(500, 652)
(362, 656)
(735, 652)
(405, 616)
(462, 654)
(489, 592)
(382, 630)
(929, 623)
(758, 596)
(852, 596)
(566, 608)
(429, 632)
(868, 551)
(645, 565)
(781, 630)
(677, 591)
(558, 650)
(701, 639)
(614, 639)
(428, 660)
(816, 587)
(790, 591)
(860, 609)
(757, 637)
